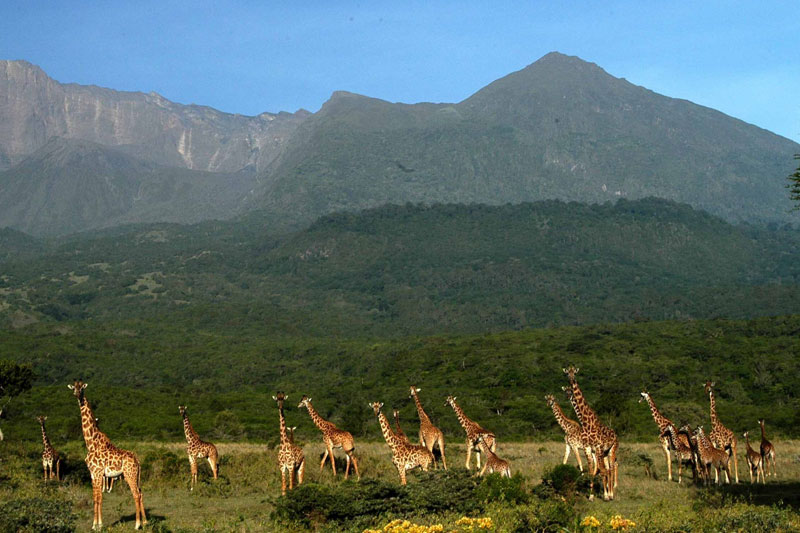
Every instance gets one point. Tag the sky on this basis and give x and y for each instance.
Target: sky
(248, 57)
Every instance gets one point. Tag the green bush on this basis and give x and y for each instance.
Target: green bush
(565, 481)
(545, 516)
(37, 515)
(503, 489)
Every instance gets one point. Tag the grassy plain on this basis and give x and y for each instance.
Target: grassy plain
(245, 496)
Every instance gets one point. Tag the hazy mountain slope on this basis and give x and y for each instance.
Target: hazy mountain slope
(34, 108)
(560, 128)
(69, 186)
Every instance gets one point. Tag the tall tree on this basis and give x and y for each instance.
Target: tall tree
(14, 380)
(794, 185)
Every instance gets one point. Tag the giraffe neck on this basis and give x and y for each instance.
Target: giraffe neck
(662, 421)
(465, 422)
(320, 422)
(188, 430)
(45, 440)
(586, 415)
(399, 432)
(561, 418)
(763, 433)
(747, 441)
(284, 435)
(386, 429)
(713, 404)
(423, 417)
(88, 425)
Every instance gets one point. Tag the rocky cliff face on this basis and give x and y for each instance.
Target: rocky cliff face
(34, 108)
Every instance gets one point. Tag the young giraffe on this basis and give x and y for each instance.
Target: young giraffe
(290, 457)
(197, 449)
(333, 437)
(603, 440)
(429, 435)
(473, 430)
(702, 473)
(754, 460)
(767, 450)
(398, 430)
(49, 455)
(493, 462)
(669, 440)
(572, 431)
(720, 436)
(105, 459)
(711, 456)
(405, 456)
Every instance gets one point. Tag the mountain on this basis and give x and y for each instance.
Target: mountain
(72, 185)
(561, 128)
(34, 108)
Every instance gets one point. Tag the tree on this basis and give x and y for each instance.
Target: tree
(794, 185)
(14, 380)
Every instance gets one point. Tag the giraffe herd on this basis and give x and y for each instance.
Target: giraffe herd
(599, 443)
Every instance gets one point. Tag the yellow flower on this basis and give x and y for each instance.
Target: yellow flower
(617, 523)
(590, 521)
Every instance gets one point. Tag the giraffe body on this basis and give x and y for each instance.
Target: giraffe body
(720, 436)
(197, 449)
(405, 456)
(493, 462)
(51, 462)
(712, 457)
(602, 440)
(104, 459)
(670, 440)
(333, 438)
(680, 441)
(430, 436)
(767, 451)
(755, 461)
(291, 460)
(473, 431)
(572, 432)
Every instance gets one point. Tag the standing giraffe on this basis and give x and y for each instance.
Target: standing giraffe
(603, 440)
(333, 437)
(493, 462)
(669, 440)
(711, 456)
(290, 457)
(681, 442)
(105, 459)
(720, 436)
(767, 451)
(754, 460)
(473, 430)
(49, 455)
(398, 430)
(197, 449)
(572, 432)
(405, 456)
(429, 435)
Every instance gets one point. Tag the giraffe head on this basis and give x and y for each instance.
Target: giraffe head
(376, 407)
(761, 422)
(568, 392)
(77, 388)
(698, 432)
(41, 419)
(709, 387)
(414, 391)
(305, 401)
(550, 399)
(280, 397)
(395, 413)
(182, 410)
(451, 401)
(570, 372)
(644, 396)
(746, 435)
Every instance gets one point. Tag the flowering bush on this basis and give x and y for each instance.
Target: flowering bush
(619, 523)
(590, 521)
(464, 523)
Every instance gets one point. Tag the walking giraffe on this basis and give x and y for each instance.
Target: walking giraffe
(473, 430)
(333, 437)
(105, 459)
(755, 461)
(493, 462)
(405, 456)
(602, 440)
(429, 435)
(290, 457)
(197, 449)
(50, 456)
(572, 432)
(669, 440)
(720, 436)
(767, 451)
(711, 456)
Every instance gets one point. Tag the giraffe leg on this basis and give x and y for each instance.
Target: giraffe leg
(193, 466)
(322, 463)
(291, 476)
(301, 471)
(283, 481)
(735, 461)
(441, 449)
(576, 451)
(566, 454)
(355, 464)
(347, 465)
(97, 500)
(469, 452)
(212, 462)
(136, 493)
(665, 446)
(333, 459)
(58, 469)
(44, 470)
(402, 470)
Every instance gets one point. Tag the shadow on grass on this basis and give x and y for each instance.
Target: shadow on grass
(774, 492)
(152, 519)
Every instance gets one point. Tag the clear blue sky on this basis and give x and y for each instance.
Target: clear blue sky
(247, 57)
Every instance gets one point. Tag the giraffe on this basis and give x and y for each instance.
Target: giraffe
(711, 456)
(680, 441)
(405, 456)
(754, 460)
(290, 457)
(333, 437)
(669, 440)
(50, 456)
(572, 432)
(197, 449)
(767, 450)
(290, 433)
(702, 471)
(105, 459)
(473, 430)
(493, 462)
(429, 435)
(108, 481)
(398, 430)
(603, 440)
(720, 436)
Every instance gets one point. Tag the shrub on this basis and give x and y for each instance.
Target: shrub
(503, 489)
(36, 515)
(563, 480)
